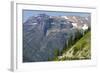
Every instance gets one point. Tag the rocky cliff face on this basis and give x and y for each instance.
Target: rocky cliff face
(43, 34)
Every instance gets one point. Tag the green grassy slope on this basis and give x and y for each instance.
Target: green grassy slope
(80, 50)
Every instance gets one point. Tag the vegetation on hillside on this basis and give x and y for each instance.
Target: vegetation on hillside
(78, 49)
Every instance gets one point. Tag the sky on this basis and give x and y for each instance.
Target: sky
(28, 13)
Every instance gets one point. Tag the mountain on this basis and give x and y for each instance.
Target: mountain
(43, 34)
(81, 21)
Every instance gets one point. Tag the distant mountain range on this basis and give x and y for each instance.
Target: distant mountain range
(43, 34)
